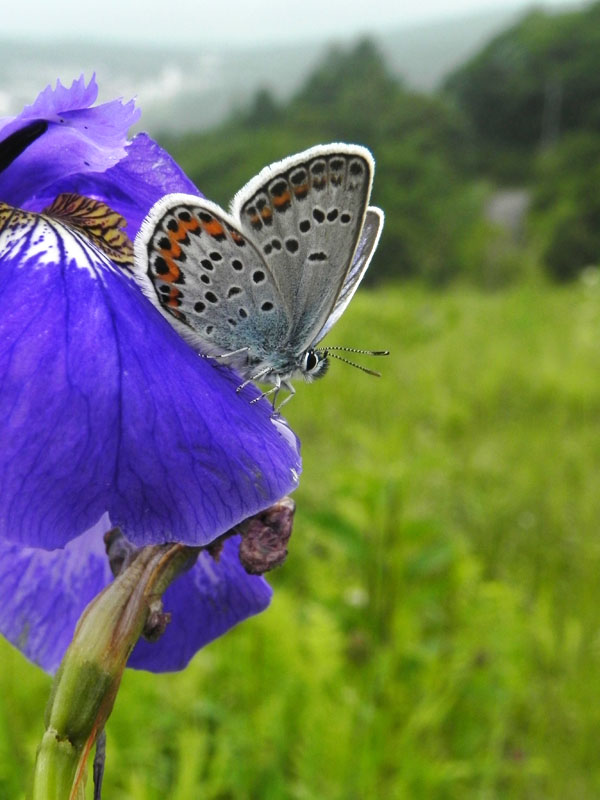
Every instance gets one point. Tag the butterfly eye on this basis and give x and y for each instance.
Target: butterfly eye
(311, 360)
(314, 364)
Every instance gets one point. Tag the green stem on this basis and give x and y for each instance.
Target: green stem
(89, 676)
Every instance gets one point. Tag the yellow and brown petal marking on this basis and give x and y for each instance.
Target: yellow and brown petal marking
(6, 212)
(97, 222)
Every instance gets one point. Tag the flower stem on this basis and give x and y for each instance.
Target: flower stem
(88, 679)
(89, 676)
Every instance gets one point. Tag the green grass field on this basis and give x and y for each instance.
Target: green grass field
(435, 632)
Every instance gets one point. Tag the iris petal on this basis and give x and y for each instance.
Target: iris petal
(204, 602)
(131, 187)
(79, 139)
(106, 408)
(42, 593)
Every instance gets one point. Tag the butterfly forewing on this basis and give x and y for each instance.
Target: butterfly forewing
(306, 214)
(209, 277)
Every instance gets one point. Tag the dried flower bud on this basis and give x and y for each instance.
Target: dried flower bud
(265, 537)
(119, 550)
(157, 621)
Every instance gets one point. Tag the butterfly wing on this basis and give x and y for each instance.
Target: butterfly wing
(305, 214)
(208, 279)
(365, 249)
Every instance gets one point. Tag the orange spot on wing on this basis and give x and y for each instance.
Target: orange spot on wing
(213, 228)
(176, 236)
(173, 299)
(192, 225)
(266, 213)
(174, 251)
(174, 272)
(281, 200)
(169, 254)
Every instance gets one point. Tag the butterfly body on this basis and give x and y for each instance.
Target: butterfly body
(262, 285)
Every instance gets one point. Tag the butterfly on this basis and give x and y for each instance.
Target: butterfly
(262, 285)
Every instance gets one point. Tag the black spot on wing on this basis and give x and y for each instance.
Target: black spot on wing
(298, 177)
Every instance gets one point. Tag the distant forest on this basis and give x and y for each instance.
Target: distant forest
(524, 112)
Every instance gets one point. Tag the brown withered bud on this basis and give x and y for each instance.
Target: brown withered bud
(119, 550)
(265, 537)
(214, 549)
(157, 621)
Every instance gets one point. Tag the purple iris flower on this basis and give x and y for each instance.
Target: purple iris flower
(108, 417)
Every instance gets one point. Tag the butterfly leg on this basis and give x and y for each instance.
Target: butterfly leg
(269, 391)
(255, 377)
(276, 388)
(291, 391)
(226, 355)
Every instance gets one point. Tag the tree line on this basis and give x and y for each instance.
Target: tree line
(525, 111)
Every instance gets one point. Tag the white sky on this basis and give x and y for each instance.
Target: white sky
(233, 22)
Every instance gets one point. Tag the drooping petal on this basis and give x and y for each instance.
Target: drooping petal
(78, 139)
(204, 603)
(43, 593)
(131, 187)
(106, 408)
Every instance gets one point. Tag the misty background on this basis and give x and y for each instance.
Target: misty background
(189, 69)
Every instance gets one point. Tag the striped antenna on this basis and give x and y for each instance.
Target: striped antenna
(353, 350)
(358, 366)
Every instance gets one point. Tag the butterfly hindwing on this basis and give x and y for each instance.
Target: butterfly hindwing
(305, 214)
(367, 244)
(208, 278)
